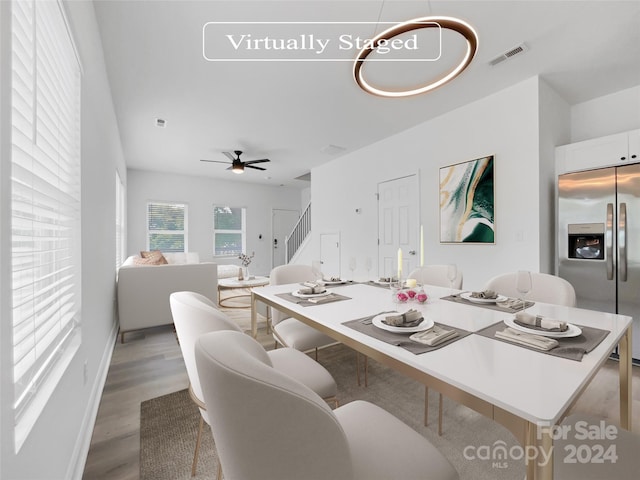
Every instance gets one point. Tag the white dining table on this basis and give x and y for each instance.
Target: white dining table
(526, 391)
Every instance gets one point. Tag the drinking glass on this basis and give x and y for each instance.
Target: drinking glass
(452, 274)
(523, 285)
(316, 266)
(352, 266)
(369, 265)
(396, 289)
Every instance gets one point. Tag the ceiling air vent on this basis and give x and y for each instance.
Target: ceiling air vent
(508, 54)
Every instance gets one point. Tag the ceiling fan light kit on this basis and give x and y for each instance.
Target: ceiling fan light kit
(450, 23)
(237, 165)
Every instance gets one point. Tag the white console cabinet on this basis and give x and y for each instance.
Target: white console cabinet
(609, 151)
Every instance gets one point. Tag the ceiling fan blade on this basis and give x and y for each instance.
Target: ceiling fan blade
(214, 161)
(255, 168)
(229, 155)
(257, 161)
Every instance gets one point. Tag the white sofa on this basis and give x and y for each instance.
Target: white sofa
(143, 290)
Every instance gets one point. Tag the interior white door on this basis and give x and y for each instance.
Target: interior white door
(330, 254)
(398, 225)
(282, 223)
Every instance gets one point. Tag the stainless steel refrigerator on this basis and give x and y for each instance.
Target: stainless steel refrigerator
(599, 240)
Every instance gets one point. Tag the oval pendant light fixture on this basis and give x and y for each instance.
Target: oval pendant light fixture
(450, 23)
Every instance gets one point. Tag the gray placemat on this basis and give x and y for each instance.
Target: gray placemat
(365, 326)
(573, 348)
(332, 297)
(492, 306)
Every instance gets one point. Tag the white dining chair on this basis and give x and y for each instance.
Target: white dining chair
(544, 288)
(300, 437)
(436, 275)
(288, 331)
(194, 314)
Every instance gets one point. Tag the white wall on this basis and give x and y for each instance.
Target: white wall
(200, 194)
(305, 196)
(615, 113)
(554, 130)
(504, 124)
(56, 447)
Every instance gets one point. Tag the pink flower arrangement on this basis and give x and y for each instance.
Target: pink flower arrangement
(402, 297)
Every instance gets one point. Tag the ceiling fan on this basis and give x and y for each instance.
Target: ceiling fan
(237, 165)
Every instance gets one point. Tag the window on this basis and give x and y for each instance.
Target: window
(228, 230)
(45, 205)
(121, 222)
(166, 227)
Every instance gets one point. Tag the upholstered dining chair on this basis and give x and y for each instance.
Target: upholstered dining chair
(194, 315)
(544, 288)
(288, 331)
(300, 437)
(436, 275)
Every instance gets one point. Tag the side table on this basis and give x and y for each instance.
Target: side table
(235, 284)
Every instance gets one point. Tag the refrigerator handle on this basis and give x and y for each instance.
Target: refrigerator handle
(622, 241)
(608, 241)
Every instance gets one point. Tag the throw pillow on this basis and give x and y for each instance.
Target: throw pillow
(154, 257)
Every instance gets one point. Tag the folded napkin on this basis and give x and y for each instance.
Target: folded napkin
(488, 294)
(511, 303)
(527, 339)
(312, 288)
(410, 318)
(325, 299)
(387, 279)
(434, 336)
(538, 322)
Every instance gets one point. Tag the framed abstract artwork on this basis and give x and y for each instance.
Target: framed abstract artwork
(467, 202)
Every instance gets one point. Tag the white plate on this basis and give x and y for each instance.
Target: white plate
(467, 296)
(426, 324)
(573, 330)
(310, 295)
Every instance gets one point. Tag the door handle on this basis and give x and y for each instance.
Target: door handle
(622, 241)
(608, 241)
(412, 252)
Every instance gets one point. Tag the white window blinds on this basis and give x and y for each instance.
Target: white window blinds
(166, 227)
(45, 195)
(229, 227)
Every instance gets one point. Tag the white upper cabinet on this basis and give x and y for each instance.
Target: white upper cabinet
(612, 150)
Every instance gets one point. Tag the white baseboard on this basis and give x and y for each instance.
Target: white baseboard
(79, 458)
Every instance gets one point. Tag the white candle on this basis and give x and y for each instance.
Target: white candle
(421, 246)
(399, 263)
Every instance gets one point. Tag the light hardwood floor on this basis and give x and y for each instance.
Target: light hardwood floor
(149, 364)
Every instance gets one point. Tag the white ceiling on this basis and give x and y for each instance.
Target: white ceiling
(290, 111)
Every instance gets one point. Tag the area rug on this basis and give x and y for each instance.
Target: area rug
(168, 425)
